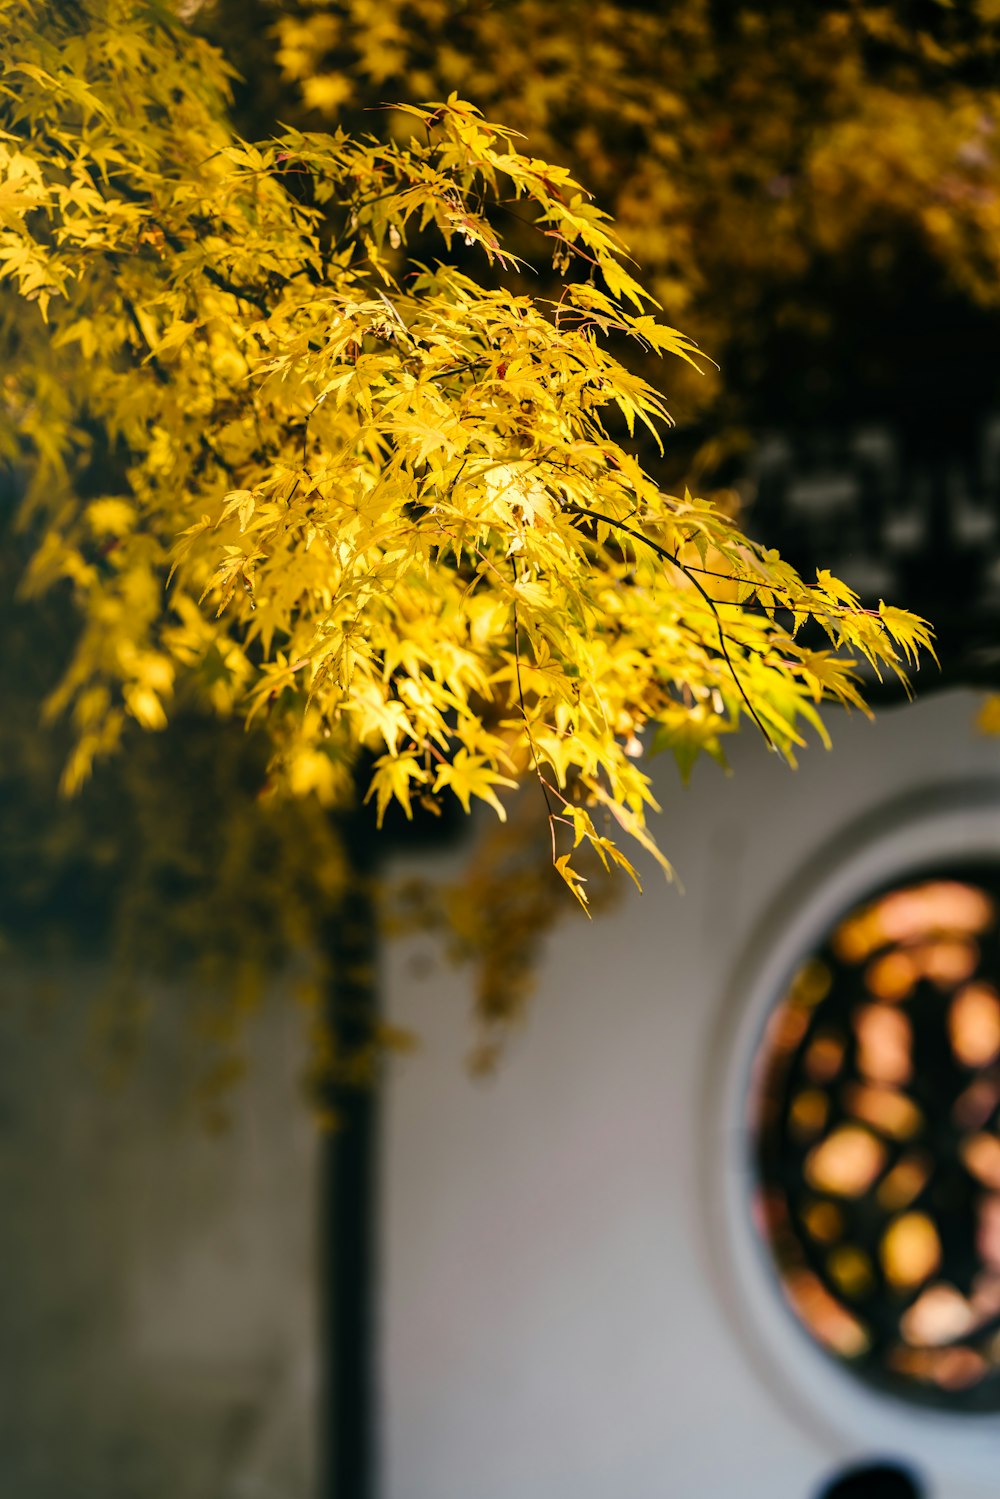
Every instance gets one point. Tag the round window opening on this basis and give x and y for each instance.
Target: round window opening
(876, 1112)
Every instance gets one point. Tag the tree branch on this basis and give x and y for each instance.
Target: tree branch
(666, 556)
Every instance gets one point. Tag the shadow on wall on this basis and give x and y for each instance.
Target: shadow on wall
(874, 1481)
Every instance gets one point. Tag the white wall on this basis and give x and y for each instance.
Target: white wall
(557, 1318)
(157, 1310)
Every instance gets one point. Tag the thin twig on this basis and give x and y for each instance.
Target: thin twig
(666, 556)
(151, 358)
(243, 293)
(761, 583)
(524, 713)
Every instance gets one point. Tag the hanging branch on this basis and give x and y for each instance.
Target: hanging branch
(666, 556)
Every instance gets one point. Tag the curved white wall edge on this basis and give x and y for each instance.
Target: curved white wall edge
(947, 823)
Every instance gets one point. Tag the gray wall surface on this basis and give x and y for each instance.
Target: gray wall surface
(157, 1308)
(557, 1319)
(557, 1316)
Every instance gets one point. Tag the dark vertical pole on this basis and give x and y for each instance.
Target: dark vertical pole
(348, 1397)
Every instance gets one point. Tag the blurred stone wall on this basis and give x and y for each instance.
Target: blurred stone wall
(158, 1301)
(559, 1315)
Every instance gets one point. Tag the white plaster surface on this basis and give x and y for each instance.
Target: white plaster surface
(558, 1319)
(157, 1284)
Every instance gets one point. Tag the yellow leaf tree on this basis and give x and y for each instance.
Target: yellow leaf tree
(306, 453)
(769, 164)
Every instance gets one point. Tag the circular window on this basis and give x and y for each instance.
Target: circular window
(875, 1125)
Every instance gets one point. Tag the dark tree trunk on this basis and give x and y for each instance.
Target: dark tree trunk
(348, 1188)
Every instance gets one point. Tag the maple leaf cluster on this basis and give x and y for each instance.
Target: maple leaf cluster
(355, 484)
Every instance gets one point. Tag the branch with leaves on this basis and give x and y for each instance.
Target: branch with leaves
(360, 487)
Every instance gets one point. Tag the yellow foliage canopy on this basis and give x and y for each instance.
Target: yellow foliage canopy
(748, 151)
(351, 481)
